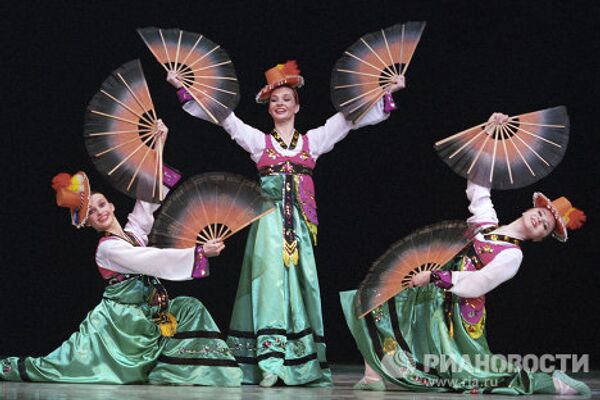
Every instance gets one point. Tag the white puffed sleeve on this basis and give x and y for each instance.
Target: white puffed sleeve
(481, 206)
(170, 264)
(140, 220)
(249, 138)
(470, 284)
(192, 108)
(336, 128)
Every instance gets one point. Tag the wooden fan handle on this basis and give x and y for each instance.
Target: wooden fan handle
(201, 104)
(239, 228)
(208, 231)
(223, 230)
(159, 151)
(203, 235)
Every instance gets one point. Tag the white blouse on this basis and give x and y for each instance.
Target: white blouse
(119, 255)
(504, 266)
(321, 139)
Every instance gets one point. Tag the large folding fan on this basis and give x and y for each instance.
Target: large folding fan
(368, 67)
(203, 67)
(120, 134)
(208, 206)
(426, 249)
(512, 154)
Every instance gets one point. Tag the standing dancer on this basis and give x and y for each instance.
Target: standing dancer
(276, 329)
(136, 334)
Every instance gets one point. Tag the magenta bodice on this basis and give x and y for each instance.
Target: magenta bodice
(472, 310)
(300, 166)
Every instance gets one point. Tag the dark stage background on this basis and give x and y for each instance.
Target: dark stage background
(377, 185)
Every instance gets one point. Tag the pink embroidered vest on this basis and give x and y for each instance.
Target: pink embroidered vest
(479, 254)
(300, 166)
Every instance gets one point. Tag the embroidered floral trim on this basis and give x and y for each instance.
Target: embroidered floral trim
(312, 227)
(377, 313)
(388, 103)
(290, 245)
(297, 347)
(442, 279)
(6, 368)
(390, 345)
(200, 268)
(282, 143)
(272, 154)
(170, 176)
(475, 330)
(214, 349)
(502, 238)
(183, 96)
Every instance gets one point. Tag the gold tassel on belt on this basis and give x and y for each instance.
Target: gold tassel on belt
(290, 252)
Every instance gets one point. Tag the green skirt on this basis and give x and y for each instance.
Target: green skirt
(417, 340)
(118, 343)
(276, 325)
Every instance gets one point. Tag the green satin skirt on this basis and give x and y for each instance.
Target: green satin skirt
(276, 325)
(409, 342)
(118, 343)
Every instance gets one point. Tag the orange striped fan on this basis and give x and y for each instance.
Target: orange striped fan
(512, 154)
(368, 67)
(120, 134)
(203, 67)
(209, 206)
(426, 249)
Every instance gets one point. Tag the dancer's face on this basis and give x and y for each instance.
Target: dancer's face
(282, 104)
(102, 213)
(538, 223)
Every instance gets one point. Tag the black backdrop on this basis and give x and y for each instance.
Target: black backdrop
(377, 185)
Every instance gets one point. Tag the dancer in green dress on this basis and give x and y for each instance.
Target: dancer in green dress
(136, 334)
(276, 330)
(431, 337)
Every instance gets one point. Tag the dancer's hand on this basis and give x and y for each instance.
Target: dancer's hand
(213, 247)
(498, 118)
(398, 83)
(420, 279)
(161, 132)
(174, 80)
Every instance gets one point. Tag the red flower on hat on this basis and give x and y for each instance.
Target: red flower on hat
(290, 67)
(287, 74)
(61, 180)
(575, 218)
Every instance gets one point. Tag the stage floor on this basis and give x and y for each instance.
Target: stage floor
(344, 376)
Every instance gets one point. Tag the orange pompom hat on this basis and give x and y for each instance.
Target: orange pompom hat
(286, 74)
(73, 192)
(565, 215)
